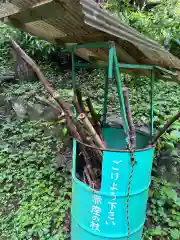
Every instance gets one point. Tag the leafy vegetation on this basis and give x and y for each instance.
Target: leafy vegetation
(36, 47)
(163, 214)
(160, 23)
(35, 197)
(5, 33)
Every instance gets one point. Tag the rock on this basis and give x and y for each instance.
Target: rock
(55, 132)
(116, 121)
(168, 165)
(23, 71)
(20, 108)
(6, 110)
(35, 111)
(50, 114)
(64, 161)
(24, 110)
(38, 112)
(60, 161)
(2, 100)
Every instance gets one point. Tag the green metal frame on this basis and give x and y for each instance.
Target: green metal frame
(153, 76)
(120, 94)
(73, 70)
(113, 65)
(105, 96)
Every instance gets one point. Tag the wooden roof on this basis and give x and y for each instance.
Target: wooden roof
(66, 22)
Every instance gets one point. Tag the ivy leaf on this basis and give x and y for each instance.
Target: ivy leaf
(175, 234)
(64, 131)
(170, 193)
(178, 202)
(169, 145)
(157, 231)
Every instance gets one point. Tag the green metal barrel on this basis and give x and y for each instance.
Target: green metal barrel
(117, 211)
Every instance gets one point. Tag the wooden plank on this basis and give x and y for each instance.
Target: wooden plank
(16, 7)
(40, 12)
(30, 29)
(8, 9)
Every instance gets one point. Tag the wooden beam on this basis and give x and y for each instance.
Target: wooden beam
(38, 12)
(30, 29)
(12, 9)
(164, 70)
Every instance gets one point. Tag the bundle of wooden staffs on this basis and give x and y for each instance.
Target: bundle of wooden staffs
(85, 126)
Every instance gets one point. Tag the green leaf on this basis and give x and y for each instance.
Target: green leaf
(157, 231)
(170, 193)
(175, 234)
(169, 145)
(65, 131)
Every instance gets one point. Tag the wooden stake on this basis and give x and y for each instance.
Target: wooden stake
(82, 118)
(91, 109)
(95, 117)
(77, 107)
(80, 101)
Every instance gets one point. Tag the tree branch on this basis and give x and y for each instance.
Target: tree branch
(164, 129)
